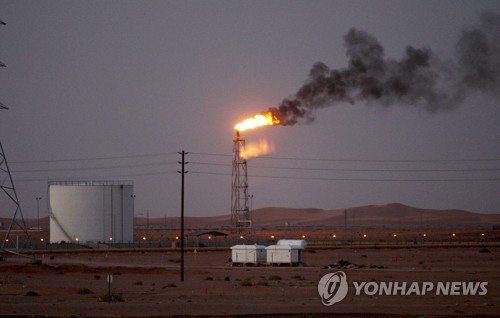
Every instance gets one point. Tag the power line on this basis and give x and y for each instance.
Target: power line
(256, 158)
(269, 177)
(97, 168)
(355, 160)
(96, 158)
(100, 176)
(274, 167)
(382, 160)
(210, 154)
(355, 170)
(256, 166)
(354, 179)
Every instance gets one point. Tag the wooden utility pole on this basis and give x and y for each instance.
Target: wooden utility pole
(182, 172)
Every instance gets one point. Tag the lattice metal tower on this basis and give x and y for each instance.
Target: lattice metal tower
(240, 213)
(9, 200)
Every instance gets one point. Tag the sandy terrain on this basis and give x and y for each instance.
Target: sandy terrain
(70, 284)
(392, 243)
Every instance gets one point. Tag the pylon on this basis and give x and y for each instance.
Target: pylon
(10, 199)
(11, 202)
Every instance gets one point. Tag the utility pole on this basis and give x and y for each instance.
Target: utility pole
(345, 219)
(182, 172)
(38, 212)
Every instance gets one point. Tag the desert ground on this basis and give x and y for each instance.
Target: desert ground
(392, 243)
(146, 283)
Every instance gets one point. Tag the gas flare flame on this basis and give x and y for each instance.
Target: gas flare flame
(262, 119)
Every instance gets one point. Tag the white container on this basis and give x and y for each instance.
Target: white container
(297, 243)
(91, 211)
(248, 254)
(284, 254)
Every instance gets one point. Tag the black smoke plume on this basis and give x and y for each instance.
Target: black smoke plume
(419, 78)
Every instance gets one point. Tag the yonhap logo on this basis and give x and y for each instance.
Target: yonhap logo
(421, 289)
(332, 288)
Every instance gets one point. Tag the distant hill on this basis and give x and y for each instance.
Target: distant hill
(393, 215)
(370, 216)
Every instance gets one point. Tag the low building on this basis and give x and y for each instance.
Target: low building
(248, 254)
(297, 243)
(285, 254)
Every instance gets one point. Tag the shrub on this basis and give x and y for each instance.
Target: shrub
(209, 278)
(115, 298)
(84, 291)
(138, 282)
(246, 283)
(31, 293)
(170, 285)
(274, 277)
(227, 279)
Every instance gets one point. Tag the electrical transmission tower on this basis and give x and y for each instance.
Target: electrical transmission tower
(240, 213)
(10, 201)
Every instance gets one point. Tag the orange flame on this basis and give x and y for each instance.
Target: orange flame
(262, 119)
(257, 149)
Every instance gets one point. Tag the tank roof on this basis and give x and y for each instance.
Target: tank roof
(92, 183)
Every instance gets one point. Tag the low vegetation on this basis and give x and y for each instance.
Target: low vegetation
(246, 283)
(111, 298)
(84, 291)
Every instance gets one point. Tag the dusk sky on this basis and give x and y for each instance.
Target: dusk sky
(112, 90)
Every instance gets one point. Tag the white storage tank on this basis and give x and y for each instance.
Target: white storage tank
(248, 254)
(91, 211)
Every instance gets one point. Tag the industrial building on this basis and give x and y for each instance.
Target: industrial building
(289, 252)
(248, 254)
(91, 211)
(286, 252)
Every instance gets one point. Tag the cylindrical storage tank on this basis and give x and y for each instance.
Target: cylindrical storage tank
(91, 211)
